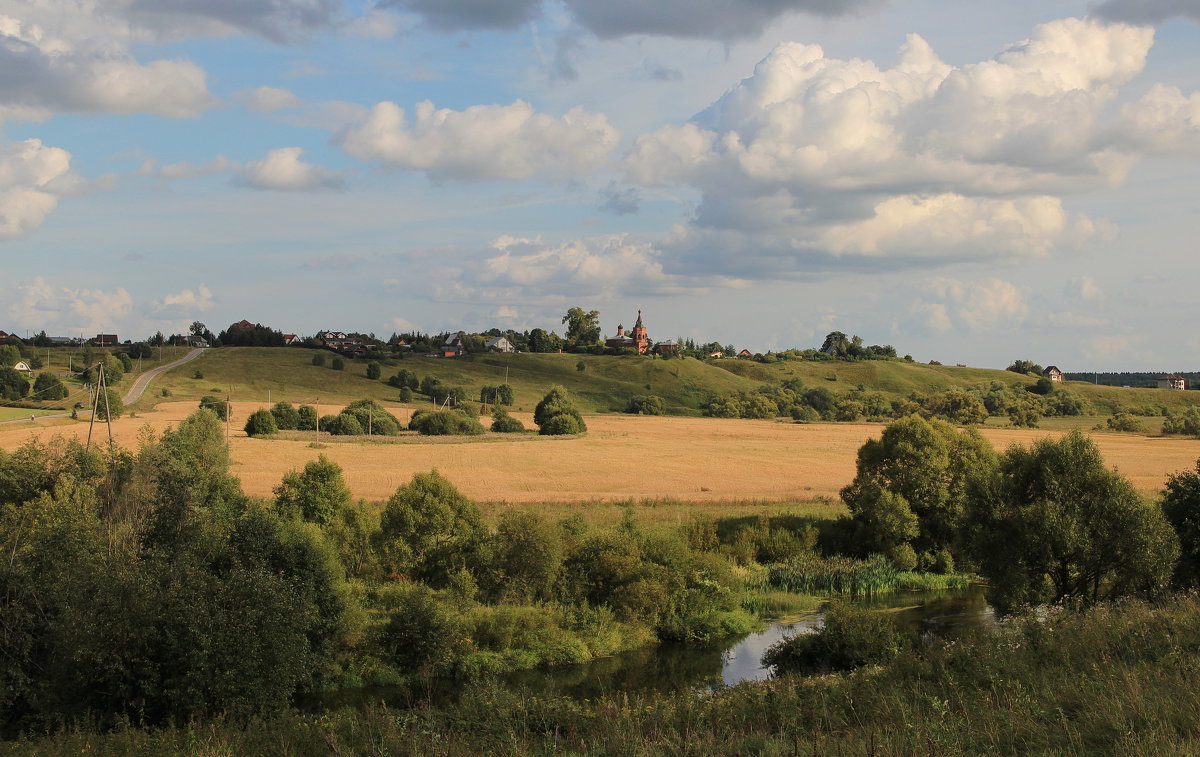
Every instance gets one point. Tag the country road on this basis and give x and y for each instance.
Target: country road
(139, 387)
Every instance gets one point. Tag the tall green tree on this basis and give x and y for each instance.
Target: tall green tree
(556, 414)
(430, 531)
(314, 494)
(583, 328)
(1181, 506)
(47, 386)
(918, 469)
(1053, 523)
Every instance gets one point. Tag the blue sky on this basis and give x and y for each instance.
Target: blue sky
(970, 182)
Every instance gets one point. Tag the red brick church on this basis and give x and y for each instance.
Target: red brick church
(634, 340)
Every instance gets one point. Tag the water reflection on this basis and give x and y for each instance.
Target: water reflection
(671, 667)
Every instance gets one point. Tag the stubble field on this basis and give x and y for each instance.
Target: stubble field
(622, 458)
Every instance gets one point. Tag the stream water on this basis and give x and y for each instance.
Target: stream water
(671, 667)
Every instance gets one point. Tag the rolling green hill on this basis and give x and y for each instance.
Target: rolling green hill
(604, 384)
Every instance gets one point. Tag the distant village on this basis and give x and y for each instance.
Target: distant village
(583, 336)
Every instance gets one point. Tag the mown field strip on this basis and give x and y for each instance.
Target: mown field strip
(621, 458)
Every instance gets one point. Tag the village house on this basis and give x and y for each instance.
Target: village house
(106, 340)
(290, 339)
(663, 348)
(500, 344)
(1172, 381)
(455, 345)
(745, 354)
(1053, 373)
(22, 366)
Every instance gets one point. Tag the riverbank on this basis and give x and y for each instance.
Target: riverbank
(1116, 680)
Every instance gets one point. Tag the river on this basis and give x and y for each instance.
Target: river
(674, 667)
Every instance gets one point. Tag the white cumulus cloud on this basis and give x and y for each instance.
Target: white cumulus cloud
(32, 176)
(815, 162)
(483, 141)
(283, 169)
(183, 304)
(953, 305)
(39, 305)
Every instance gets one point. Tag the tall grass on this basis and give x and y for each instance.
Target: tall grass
(1118, 680)
(843, 575)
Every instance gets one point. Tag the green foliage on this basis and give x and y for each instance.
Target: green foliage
(337, 364)
(217, 405)
(315, 494)
(126, 362)
(1062, 402)
(286, 416)
(429, 530)
(444, 423)
(373, 417)
(306, 418)
(47, 386)
(374, 370)
(1025, 367)
(583, 328)
(528, 553)
(318, 359)
(558, 403)
(261, 423)
(404, 378)
(642, 404)
(1181, 507)
(420, 633)
(498, 395)
(957, 406)
(850, 638)
(1124, 421)
(197, 374)
(1025, 412)
(342, 424)
(110, 406)
(406, 394)
(504, 423)
(1185, 422)
(1052, 523)
(9, 356)
(13, 385)
(918, 469)
(562, 424)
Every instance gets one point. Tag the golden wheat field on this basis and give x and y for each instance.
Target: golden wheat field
(621, 458)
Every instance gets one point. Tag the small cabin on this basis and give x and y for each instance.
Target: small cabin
(22, 367)
(501, 344)
(1053, 373)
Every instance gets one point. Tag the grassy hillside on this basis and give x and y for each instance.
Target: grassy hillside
(604, 384)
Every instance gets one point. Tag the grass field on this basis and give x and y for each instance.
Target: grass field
(604, 385)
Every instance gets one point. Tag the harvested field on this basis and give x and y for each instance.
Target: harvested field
(621, 458)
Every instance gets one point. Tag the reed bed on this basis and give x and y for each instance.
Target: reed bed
(843, 575)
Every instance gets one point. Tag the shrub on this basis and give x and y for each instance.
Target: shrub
(556, 403)
(315, 494)
(504, 423)
(1187, 422)
(318, 359)
(406, 394)
(196, 374)
(851, 637)
(165, 392)
(373, 417)
(338, 364)
(111, 410)
(342, 424)
(444, 423)
(215, 404)
(306, 418)
(1123, 421)
(643, 404)
(286, 416)
(374, 370)
(49, 387)
(261, 423)
(562, 425)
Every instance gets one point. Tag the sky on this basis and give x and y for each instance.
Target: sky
(970, 182)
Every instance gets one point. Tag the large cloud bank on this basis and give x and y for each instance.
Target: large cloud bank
(815, 163)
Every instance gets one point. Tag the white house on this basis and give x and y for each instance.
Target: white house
(501, 344)
(22, 366)
(1172, 381)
